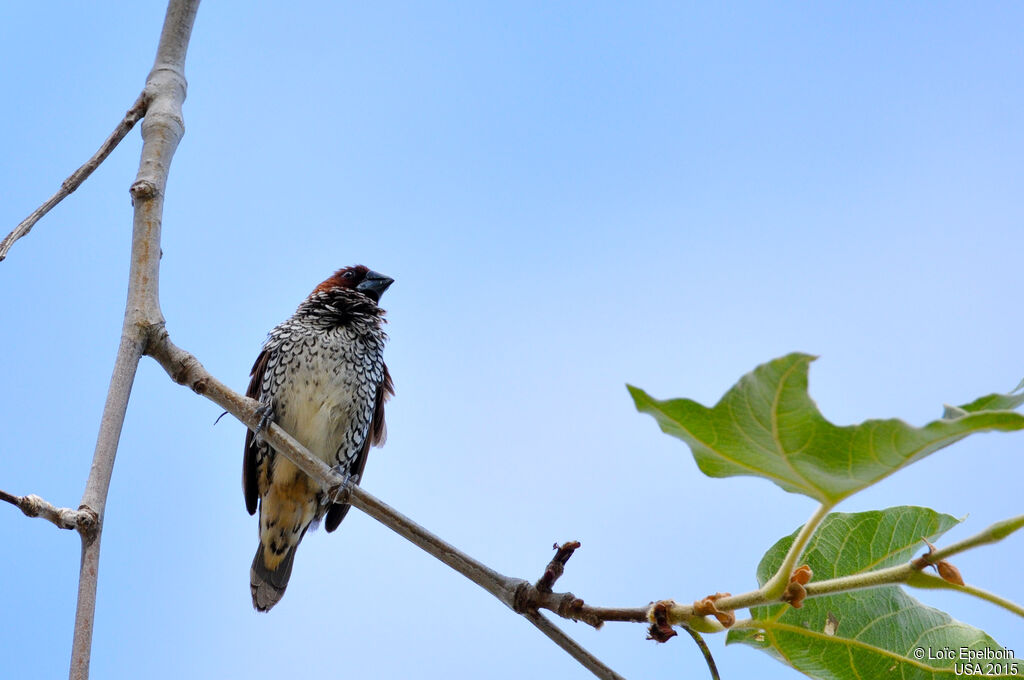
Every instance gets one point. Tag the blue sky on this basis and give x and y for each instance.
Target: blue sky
(570, 196)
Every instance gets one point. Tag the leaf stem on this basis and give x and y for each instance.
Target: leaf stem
(703, 646)
(777, 583)
(982, 594)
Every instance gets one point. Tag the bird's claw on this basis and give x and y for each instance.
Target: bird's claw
(266, 414)
(339, 492)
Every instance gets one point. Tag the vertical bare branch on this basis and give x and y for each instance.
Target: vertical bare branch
(162, 129)
(95, 497)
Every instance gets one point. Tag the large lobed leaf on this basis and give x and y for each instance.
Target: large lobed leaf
(767, 425)
(872, 633)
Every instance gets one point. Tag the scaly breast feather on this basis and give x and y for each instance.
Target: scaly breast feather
(318, 404)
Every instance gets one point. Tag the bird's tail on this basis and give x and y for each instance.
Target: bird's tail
(267, 584)
(286, 511)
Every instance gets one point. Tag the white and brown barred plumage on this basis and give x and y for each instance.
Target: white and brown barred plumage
(322, 377)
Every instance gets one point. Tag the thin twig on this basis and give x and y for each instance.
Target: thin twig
(556, 566)
(624, 614)
(34, 506)
(133, 116)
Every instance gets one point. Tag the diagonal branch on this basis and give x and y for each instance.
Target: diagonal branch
(575, 650)
(517, 594)
(133, 116)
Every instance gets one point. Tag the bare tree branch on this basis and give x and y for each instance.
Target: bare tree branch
(575, 650)
(518, 594)
(186, 370)
(64, 518)
(134, 114)
(162, 129)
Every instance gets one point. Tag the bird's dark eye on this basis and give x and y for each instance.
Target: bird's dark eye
(348, 275)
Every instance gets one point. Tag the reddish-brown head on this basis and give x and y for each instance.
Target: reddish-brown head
(359, 278)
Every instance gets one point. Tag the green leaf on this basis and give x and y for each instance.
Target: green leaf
(767, 425)
(871, 633)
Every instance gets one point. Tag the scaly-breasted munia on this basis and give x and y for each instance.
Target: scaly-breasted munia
(321, 376)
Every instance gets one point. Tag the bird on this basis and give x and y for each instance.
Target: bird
(320, 376)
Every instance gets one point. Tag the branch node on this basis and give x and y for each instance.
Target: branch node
(32, 505)
(924, 560)
(180, 366)
(141, 189)
(661, 630)
(946, 569)
(88, 523)
(569, 606)
(523, 600)
(35, 506)
(572, 607)
(706, 607)
(795, 592)
(138, 109)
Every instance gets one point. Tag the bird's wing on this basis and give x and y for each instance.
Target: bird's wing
(378, 429)
(250, 464)
(375, 437)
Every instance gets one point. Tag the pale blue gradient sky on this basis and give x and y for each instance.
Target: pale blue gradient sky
(570, 196)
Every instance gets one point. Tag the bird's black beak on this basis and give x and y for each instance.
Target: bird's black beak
(374, 284)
